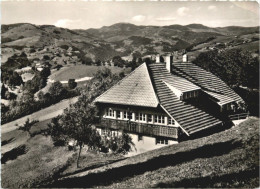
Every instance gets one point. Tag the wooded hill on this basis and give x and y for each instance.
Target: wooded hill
(104, 43)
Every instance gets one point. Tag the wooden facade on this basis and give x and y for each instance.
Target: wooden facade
(143, 120)
(140, 128)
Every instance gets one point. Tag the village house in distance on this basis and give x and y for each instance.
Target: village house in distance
(168, 99)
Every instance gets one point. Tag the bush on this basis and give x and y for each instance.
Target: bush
(21, 37)
(72, 84)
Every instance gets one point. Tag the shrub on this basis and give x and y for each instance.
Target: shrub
(72, 84)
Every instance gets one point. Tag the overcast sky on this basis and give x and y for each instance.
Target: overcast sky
(86, 14)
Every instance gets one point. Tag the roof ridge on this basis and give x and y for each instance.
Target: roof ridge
(147, 68)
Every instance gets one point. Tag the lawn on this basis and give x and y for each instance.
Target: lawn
(228, 159)
(225, 159)
(81, 71)
(34, 161)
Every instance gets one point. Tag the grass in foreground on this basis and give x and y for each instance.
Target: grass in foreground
(225, 159)
(31, 162)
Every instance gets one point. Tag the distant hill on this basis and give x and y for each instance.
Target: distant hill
(108, 41)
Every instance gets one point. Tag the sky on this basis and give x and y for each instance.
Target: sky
(75, 14)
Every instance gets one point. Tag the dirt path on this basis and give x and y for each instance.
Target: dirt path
(41, 115)
(76, 80)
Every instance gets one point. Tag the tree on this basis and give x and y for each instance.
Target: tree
(121, 144)
(122, 74)
(28, 125)
(77, 122)
(46, 57)
(10, 96)
(15, 79)
(55, 130)
(236, 66)
(98, 62)
(72, 84)
(57, 90)
(118, 61)
(3, 91)
(45, 72)
(40, 95)
(147, 60)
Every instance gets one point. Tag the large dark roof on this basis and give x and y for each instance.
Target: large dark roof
(191, 119)
(147, 86)
(206, 80)
(135, 89)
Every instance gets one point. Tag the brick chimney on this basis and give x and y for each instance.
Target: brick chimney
(185, 58)
(169, 61)
(158, 59)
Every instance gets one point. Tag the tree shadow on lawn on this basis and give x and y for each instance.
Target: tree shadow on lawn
(248, 178)
(4, 142)
(14, 153)
(121, 173)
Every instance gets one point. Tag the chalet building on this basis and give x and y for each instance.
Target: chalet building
(167, 99)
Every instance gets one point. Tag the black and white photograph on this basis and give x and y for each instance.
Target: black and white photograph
(129, 94)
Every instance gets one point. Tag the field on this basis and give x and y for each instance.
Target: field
(228, 159)
(225, 159)
(81, 71)
(32, 161)
(253, 46)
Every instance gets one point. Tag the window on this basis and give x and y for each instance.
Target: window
(150, 119)
(105, 132)
(184, 95)
(163, 119)
(125, 115)
(136, 116)
(110, 112)
(164, 130)
(156, 118)
(161, 141)
(171, 121)
(172, 131)
(118, 115)
(192, 94)
(130, 115)
(142, 117)
(160, 119)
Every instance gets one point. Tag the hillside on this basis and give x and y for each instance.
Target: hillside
(104, 43)
(228, 159)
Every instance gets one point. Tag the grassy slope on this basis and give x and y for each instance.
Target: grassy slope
(31, 161)
(226, 159)
(38, 161)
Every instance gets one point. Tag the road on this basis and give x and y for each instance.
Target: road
(41, 115)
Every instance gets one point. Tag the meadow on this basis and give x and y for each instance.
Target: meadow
(225, 159)
(81, 71)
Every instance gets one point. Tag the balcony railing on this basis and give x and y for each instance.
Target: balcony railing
(140, 128)
(238, 116)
